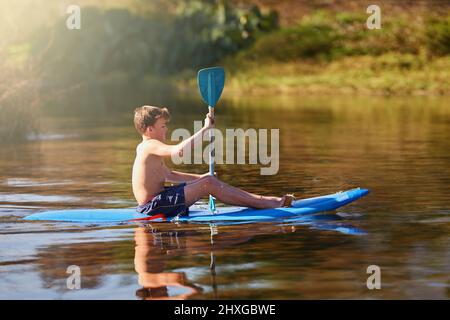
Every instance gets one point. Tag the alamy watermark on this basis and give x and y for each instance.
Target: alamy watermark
(237, 138)
(73, 21)
(74, 280)
(374, 20)
(374, 280)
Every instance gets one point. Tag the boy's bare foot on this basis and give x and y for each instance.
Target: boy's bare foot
(286, 200)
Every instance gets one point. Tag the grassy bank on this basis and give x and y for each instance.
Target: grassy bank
(335, 53)
(388, 74)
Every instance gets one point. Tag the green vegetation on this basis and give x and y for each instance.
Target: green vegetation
(438, 36)
(153, 46)
(116, 51)
(156, 43)
(338, 54)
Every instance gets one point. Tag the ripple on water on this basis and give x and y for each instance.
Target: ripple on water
(24, 182)
(50, 136)
(30, 197)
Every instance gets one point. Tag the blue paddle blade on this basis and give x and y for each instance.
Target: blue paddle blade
(210, 84)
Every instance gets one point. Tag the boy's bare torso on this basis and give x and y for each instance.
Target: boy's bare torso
(149, 175)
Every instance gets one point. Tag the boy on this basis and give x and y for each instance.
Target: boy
(150, 173)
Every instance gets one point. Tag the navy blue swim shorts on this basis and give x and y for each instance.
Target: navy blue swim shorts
(169, 203)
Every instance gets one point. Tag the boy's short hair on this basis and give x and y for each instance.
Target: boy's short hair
(146, 116)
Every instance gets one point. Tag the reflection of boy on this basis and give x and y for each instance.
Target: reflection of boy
(149, 264)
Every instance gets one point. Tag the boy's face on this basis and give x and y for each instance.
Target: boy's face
(158, 130)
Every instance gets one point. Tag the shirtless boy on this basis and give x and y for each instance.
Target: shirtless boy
(150, 173)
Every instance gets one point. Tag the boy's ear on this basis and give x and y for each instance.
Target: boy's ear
(148, 130)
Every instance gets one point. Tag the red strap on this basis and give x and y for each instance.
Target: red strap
(153, 217)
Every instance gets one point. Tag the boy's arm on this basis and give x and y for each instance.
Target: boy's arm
(161, 149)
(176, 176)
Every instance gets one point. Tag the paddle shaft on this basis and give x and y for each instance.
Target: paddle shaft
(212, 154)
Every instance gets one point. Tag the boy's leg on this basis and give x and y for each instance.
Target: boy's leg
(226, 194)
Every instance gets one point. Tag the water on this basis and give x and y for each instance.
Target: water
(399, 148)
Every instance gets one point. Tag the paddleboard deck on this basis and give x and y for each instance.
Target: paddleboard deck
(201, 213)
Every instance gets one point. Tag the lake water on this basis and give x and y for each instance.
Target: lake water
(399, 148)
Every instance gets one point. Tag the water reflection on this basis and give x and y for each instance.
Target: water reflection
(153, 249)
(156, 248)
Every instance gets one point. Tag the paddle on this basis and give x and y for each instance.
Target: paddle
(210, 83)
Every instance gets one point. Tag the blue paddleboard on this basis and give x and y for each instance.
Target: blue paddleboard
(201, 214)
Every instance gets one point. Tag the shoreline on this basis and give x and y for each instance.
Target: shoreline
(235, 91)
(359, 75)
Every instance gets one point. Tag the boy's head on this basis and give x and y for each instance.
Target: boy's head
(151, 122)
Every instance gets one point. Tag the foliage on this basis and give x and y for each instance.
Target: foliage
(19, 104)
(438, 36)
(197, 33)
(323, 35)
